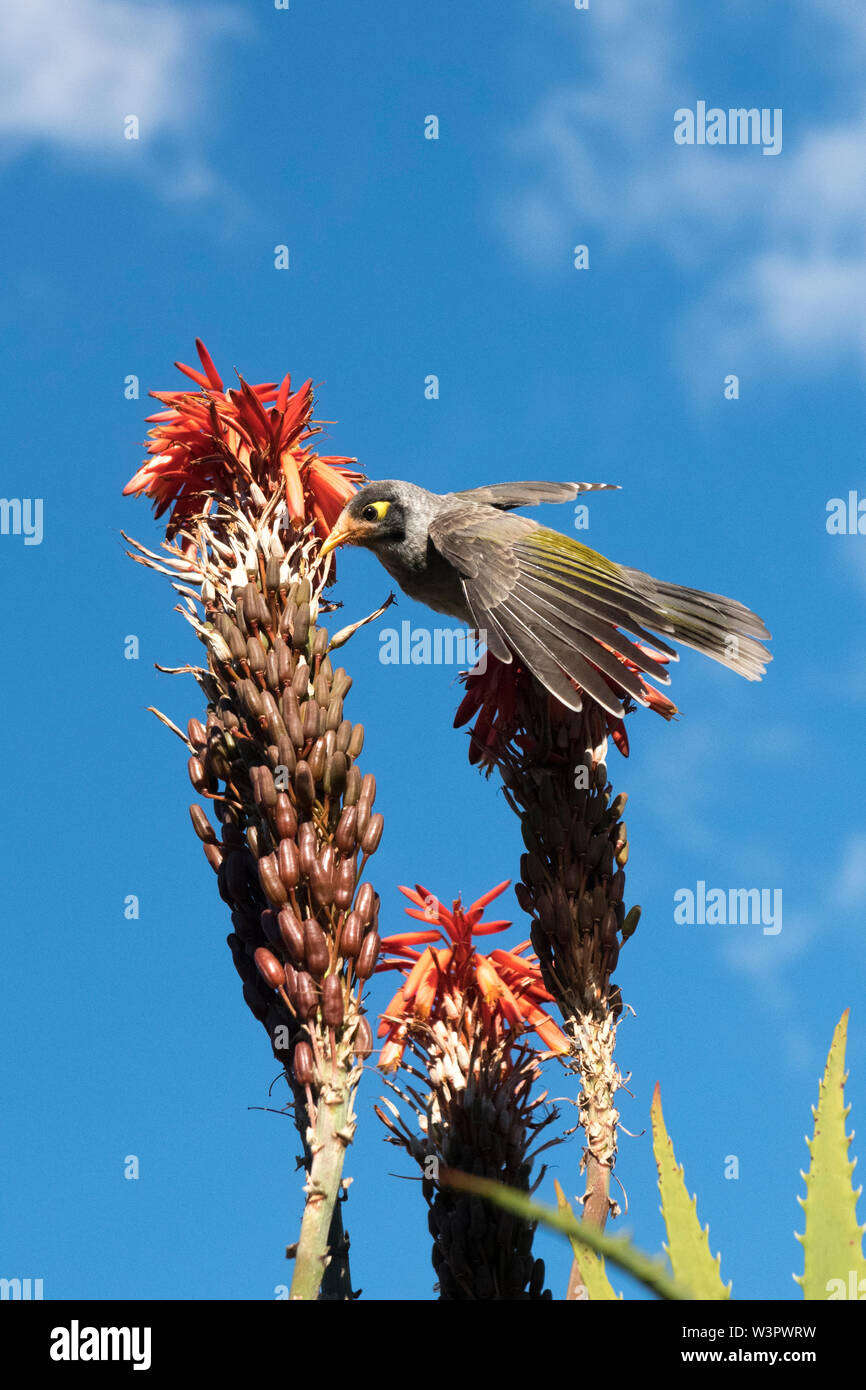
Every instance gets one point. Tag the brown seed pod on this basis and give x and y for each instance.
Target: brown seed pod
(607, 933)
(195, 768)
(283, 653)
(291, 982)
(356, 742)
(213, 853)
(335, 773)
(285, 817)
(316, 756)
(305, 786)
(272, 884)
(237, 643)
(362, 1044)
(302, 1063)
(353, 787)
(311, 720)
(341, 684)
(317, 957)
(247, 926)
(629, 925)
(334, 716)
(201, 825)
(287, 758)
(292, 934)
(292, 717)
(272, 574)
(288, 864)
(344, 882)
(270, 927)
(367, 956)
(302, 591)
(255, 655)
(373, 834)
(322, 877)
(322, 689)
(351, 936)
(344, 733)
(249, 604)
(301, 680)
(251, 698)
(307, 847)
(263, 787)
(196, 734)
(332, 1001)
(320, 641)
(365, 902)
(301, 627)
(287, 618)
(269, 967)
(307, 997)
(344, 835)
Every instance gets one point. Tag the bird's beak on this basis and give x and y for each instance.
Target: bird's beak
(341, 533)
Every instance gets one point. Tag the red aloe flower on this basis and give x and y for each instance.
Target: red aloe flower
(504, 988)
(221, 441)
(499, 693)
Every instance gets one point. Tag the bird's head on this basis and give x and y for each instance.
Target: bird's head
(389, 518)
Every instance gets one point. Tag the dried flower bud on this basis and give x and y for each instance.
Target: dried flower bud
(292, 934)
(285, 818)
(332, 1001)
(201, 825)
(630, 923)
(316, 954)
(307, 995)
(351, 936)
(373, 834)
(366, 902)
(344, 883)
(362, 1044)
(213, 853)
(367, 956)
(302, 1063)
(301, 680)
(196, 734)
(344, 835)
(269, 967)
(287, 863)
(356, 742)
(344, 733)
(272, 884)
(301, 627)
(335, 773)
(341, 684)
(195, 768)
(305, 786)
(353, 787)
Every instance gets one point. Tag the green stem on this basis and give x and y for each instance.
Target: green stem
(331, 1137)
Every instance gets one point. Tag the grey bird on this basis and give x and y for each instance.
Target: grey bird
(541, 597)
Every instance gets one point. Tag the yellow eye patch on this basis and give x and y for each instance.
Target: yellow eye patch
(375, 511)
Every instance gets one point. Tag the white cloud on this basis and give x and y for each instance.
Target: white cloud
(772, 251)
(71, 72)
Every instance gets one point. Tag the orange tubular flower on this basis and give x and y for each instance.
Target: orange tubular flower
(498, 695)
(452, 984)
(215, 440)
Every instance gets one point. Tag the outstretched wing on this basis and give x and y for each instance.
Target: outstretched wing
(506, 496)
(557, 605)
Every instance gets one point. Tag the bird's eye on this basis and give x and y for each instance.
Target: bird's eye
(375, 511)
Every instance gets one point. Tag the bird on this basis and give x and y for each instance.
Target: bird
(562, 610)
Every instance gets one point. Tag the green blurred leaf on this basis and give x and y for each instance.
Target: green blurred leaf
(618, 1249)
(688, 1243)
(591, 1266)
(832, 1241)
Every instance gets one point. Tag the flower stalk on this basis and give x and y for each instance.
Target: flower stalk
(276, 759)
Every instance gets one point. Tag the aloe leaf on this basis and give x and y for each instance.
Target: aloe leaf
(832, 1241)
(688, 1244)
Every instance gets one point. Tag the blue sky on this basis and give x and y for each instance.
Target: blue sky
(305, 127)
